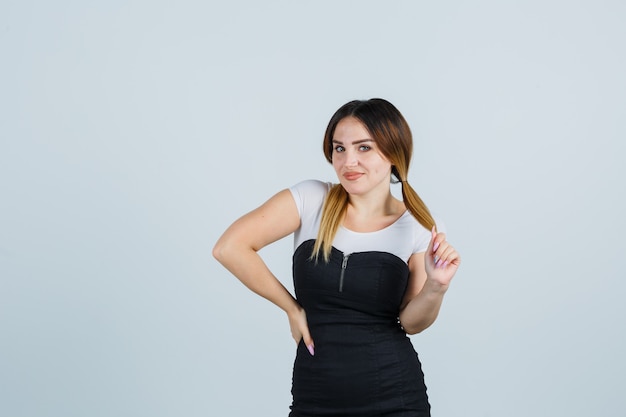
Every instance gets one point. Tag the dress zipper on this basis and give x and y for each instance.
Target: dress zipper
(344, 264)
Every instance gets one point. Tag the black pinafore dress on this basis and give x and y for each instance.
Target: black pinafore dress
(364, 363)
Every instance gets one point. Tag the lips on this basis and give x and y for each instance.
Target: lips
(352, 176)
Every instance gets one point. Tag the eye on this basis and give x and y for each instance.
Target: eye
(339, 148)
(364, 148)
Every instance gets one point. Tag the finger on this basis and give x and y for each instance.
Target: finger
(451, 258)
(439, 239)
(296, 336)
(455, 259)
(438, 256)
(445, 252)
(308, 340)
(303, 327)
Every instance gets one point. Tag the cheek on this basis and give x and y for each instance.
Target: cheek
(383, 170)
(380, 165)
(337, 159)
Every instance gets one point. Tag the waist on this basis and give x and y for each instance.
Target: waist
(320, 316)
(355, 334)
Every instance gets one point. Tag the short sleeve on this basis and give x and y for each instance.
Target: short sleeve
(309, 197)
(423, 236)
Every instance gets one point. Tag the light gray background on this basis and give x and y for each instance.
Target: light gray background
(132, 133)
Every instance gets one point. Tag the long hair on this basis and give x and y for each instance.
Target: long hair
(393, 137)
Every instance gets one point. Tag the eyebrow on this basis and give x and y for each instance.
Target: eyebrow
(356, 142)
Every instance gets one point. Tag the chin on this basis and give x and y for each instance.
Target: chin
(354, 189)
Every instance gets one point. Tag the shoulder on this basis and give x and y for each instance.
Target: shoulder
(309, 195)
(311, 187)
(421, 235)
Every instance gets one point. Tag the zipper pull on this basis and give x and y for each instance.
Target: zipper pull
(344, 264)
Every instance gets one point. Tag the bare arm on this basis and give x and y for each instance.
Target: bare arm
(430, 275)
(237, 250)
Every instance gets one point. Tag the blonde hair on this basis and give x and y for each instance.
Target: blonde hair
(394, 140)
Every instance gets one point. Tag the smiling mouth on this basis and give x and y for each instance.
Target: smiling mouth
(351, 176)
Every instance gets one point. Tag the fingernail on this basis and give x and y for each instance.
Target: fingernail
(436, 259)
(311, 349)
(436, 246)
(445, 264)
(438, 263)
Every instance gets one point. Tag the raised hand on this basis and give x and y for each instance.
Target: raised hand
(442, 260)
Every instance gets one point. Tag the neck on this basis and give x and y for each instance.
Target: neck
(376, 203)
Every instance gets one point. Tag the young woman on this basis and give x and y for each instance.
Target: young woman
(368, 269)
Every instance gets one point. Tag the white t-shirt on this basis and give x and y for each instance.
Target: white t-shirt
(402, 238)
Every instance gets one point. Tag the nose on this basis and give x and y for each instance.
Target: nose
(351, 159)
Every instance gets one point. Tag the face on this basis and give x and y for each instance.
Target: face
(357, 160)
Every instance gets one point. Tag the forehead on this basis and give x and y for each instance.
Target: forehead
(350, 129)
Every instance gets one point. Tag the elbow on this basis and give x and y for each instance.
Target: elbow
(409, 325)
(412, 327)
(218, 252)
(221, 252)
(228, 251)
(409, 328)
(412, 330)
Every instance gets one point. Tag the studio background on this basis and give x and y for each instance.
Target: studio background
(133, 133)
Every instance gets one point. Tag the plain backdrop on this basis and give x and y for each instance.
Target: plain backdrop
(132, 133)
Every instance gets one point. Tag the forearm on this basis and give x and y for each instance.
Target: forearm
(422, 310)
(249, 268)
